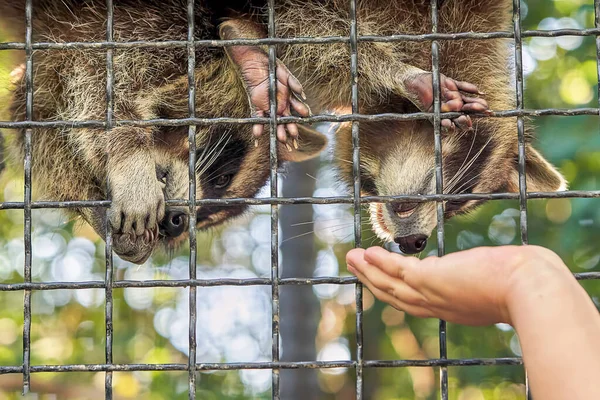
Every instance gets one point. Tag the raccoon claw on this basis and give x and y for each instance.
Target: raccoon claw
(134, 219)
(135, 249)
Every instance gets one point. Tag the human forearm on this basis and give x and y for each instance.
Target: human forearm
(562, 355)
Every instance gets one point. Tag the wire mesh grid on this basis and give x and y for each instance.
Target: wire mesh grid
(192, 121)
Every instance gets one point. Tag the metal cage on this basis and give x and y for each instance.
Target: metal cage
(108, 284)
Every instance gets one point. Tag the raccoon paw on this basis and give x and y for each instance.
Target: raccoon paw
(136, 210)
(252, 63)
(290, 97)
(452, 98)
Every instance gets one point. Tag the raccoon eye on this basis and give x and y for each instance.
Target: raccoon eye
(161, 174)
(223, 181)
(454, 205)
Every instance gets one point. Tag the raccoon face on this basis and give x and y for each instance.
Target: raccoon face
(229, 164)
(398, 159)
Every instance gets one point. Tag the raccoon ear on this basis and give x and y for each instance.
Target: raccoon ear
(541, 175)
(310, 144)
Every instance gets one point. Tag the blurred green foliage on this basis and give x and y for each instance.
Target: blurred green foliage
(68, 326)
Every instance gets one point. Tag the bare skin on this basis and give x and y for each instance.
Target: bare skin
(253, 64)
(528, 287)
(456, 96)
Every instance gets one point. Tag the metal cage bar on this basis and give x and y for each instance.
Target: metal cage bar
(176, 283)
(109, 274)
(518, 43)
(439, 180)
(594, 32)
(273, 161)
(191, 53)
(353, 40)
(27, 198)
(291, 119)
(358, 293)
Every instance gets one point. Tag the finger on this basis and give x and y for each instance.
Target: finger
(448, 83)
(283, 95)
(450, 94)
(127, 223)
(354, 256)
(284, 74)
(477, 100)
(463, 122)
(281, 134)
(292, 130)
(258, 129)
(474, 107)
(375, 275)
(446, 123)
(467, 87)
(387, 283)
(392, 264)
(300, 108)
(151, 221)
(296, 86)
(115, 221)
(452, 105)
(138, 227)
(391, 299)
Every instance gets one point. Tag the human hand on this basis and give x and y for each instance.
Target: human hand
(471, 287)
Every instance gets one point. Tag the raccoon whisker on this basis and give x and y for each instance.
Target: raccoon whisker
(320, 220)
(310, 176)
(297, 236)
(337, 229)
(343, 159)
(372, 238)
(213, 154)
(464, 187)
(454, 179)
(218, 148)
(463, 168)
(471, 162)
(201, 160)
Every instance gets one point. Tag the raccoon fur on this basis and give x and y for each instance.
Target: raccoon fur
(480, 155)
(146, 166)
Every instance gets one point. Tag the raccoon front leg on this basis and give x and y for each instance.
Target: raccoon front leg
(138, 203)
(252, 63)
(456, 96)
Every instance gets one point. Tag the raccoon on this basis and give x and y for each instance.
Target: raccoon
(480, 155)
(140, 168)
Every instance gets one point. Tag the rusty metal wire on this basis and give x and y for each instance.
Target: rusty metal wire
(191, 44)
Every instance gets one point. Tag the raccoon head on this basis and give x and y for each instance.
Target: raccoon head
(229, 164)
(397, 158)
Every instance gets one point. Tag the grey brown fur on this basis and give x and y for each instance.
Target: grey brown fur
(397, 157)
(143, 166)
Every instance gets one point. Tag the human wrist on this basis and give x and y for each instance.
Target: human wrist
(535, 281)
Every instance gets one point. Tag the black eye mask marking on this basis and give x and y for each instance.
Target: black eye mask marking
(367, 182)
(218, 163)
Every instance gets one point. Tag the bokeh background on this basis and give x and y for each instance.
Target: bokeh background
(317, 322)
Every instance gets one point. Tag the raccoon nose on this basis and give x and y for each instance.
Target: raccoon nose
(412, 244)
(173, 224)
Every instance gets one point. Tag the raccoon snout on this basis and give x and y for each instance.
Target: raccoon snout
(173, 224)
(412, 244)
